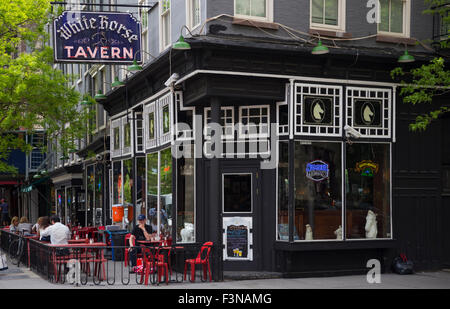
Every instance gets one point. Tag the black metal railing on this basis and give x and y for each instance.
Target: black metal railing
(105, 265)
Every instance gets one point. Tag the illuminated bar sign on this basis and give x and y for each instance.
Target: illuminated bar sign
(97, 37)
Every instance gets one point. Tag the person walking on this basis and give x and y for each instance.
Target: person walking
(4, 212)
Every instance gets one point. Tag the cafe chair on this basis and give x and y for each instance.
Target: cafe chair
(162, 267)
(200, 261)
(148, 264)
(127, 238)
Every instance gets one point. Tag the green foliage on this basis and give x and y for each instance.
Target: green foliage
(427, 82)
(34, 95)
(431, 80)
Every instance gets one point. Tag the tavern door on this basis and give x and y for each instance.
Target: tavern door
(241, 217)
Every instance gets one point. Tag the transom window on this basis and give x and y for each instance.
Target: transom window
(226, 121)
(255, 9)
(394, 17)
(328, 14)
(254, 121)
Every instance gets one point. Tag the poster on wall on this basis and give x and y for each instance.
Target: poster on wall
(97, 37)
(238, 239)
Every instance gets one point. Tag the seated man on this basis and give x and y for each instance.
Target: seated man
(58, 232)
(141, 231)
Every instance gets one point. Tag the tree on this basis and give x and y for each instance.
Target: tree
(33, 95)
(431, 80)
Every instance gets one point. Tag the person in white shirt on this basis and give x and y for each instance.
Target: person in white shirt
(58, 232)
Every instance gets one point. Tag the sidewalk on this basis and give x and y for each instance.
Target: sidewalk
(15, 278)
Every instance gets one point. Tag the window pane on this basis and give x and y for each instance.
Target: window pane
(258, 8)
(151, 126)
(140, 186)
(283, 192)
(318, 187)
(186, 201)
(117, 187)
(127, 135)
(128, 183)
(90, 180)
(237, 193)
(152, 189)
(166, 192)
(384, 14)
(243, 7)
(397, 16)
(317, 11)
(116, 138)
(166, 119)
(368, 191)
(331, 12)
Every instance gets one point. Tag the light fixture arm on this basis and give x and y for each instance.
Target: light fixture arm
(141, 50)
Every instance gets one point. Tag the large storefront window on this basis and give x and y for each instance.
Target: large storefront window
(140, 186)
(152, 189)
(159, 175)
(117, 186)
(90, 188)
(318, 190)
(283, 192)
(186, 198)
(98, 195)
(367, 180)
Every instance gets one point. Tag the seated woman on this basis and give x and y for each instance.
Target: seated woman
(13, 228)
(43, 224)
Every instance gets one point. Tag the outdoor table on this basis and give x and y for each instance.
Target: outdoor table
(97, 258)
(79, 241)
(168, 250)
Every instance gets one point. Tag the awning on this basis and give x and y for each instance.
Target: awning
(30, 186)
(8, 182)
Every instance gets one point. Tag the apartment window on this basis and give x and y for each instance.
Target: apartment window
(164, 9)
(328, 14)
(394, 17)
(193, 10)
(255, 9)
(143, 16)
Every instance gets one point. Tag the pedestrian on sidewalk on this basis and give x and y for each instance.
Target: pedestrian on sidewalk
(4, 212)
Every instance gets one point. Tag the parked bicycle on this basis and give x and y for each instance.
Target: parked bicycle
(16, 249)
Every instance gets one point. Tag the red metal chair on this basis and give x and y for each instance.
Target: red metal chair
(127, 238)
(162, 267)
(148, 263)
(200, 261)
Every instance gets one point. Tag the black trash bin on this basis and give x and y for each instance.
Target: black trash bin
(118, 244)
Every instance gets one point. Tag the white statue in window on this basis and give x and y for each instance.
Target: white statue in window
(309, 233)
(338, 233)
(187, 233)
(371, 225)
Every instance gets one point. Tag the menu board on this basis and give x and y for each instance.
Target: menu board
(238, 238)
(237, 241)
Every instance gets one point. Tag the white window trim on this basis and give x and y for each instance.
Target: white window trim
(205, 122)
(269, 13)
(341, 18)
(129, 149)
(406, 22)
(144, 31)
(150, 108)
(190, 15)
(161, 30)
(257, 135)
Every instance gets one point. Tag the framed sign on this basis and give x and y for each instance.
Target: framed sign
(97, 37)
(237, 239)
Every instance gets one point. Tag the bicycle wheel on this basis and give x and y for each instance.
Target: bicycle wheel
(14, 252)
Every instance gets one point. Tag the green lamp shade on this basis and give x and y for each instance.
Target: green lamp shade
(36, 176)
(405, 58)
(135, 66)
(117, 83)
(181, 44)
(100, 96)
(320, 49)
(63, 158)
